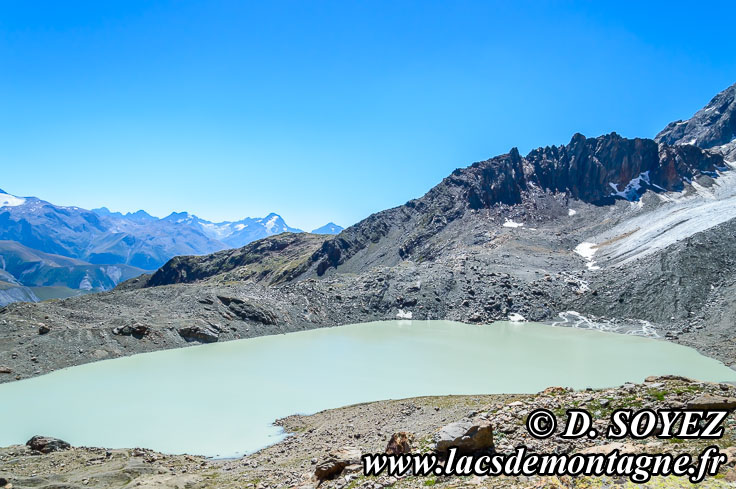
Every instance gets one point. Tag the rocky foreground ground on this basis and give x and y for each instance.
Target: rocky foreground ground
(366, 428)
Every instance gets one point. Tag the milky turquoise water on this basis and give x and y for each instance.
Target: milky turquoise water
(221, 399)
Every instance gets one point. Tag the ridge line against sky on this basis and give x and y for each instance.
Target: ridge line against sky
(327, 111)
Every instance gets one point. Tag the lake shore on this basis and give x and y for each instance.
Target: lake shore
(252, 382)
(367, 427)
(36, 339)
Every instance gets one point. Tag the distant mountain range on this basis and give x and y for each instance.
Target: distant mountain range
(79, 250)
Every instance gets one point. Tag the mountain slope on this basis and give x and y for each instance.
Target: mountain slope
(13, 291)
(33, 268)
(593, 170)
(712, 127)
(267, 261)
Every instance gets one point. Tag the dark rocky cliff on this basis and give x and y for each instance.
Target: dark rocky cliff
(712, 127)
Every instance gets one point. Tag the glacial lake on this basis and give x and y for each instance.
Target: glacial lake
(221, 399)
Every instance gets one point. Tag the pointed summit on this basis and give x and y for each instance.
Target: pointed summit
(712, 127)
(329, 228)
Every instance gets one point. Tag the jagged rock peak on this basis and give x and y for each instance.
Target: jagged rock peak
(713, 126)
(595, 170)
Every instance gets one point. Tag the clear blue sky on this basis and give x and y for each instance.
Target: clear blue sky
(324, 110)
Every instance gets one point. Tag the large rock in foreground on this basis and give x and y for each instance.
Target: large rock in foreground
(337, 462)
(400, 443)
(47, 444)
(709, 401)
(467, 436)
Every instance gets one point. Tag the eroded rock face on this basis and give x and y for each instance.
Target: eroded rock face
(47, 444)
(248, 311)
(199, 332)
(596, 170)
(337, 461)
(400, 443)
(712, 127)
(466, 436)
(137, 330)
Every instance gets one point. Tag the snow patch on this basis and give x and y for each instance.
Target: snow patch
(571, 212)
(679, 216)
(216, 230)
(404, 314)
(587, 250)
(633, 188)
(85, 284)
(113, 272)
(512, 224)
(271, 223)
(516, 318)
(7, 200)
(638, 327)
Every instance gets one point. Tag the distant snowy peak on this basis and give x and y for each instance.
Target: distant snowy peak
(240, 233)
(7, 200)
(329, 228)
(181, 217)
(275, 224)
(272, 221)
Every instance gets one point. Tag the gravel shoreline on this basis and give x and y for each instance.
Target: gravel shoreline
(367, 427)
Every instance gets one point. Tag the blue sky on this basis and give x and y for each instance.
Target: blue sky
(328, 110)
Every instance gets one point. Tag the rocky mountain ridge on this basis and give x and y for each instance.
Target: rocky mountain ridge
(712, 127)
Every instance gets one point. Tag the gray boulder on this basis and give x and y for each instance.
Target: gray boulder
(467, 436)
(47, 444)
(710, 401)
(137, 330)
(199, 332)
